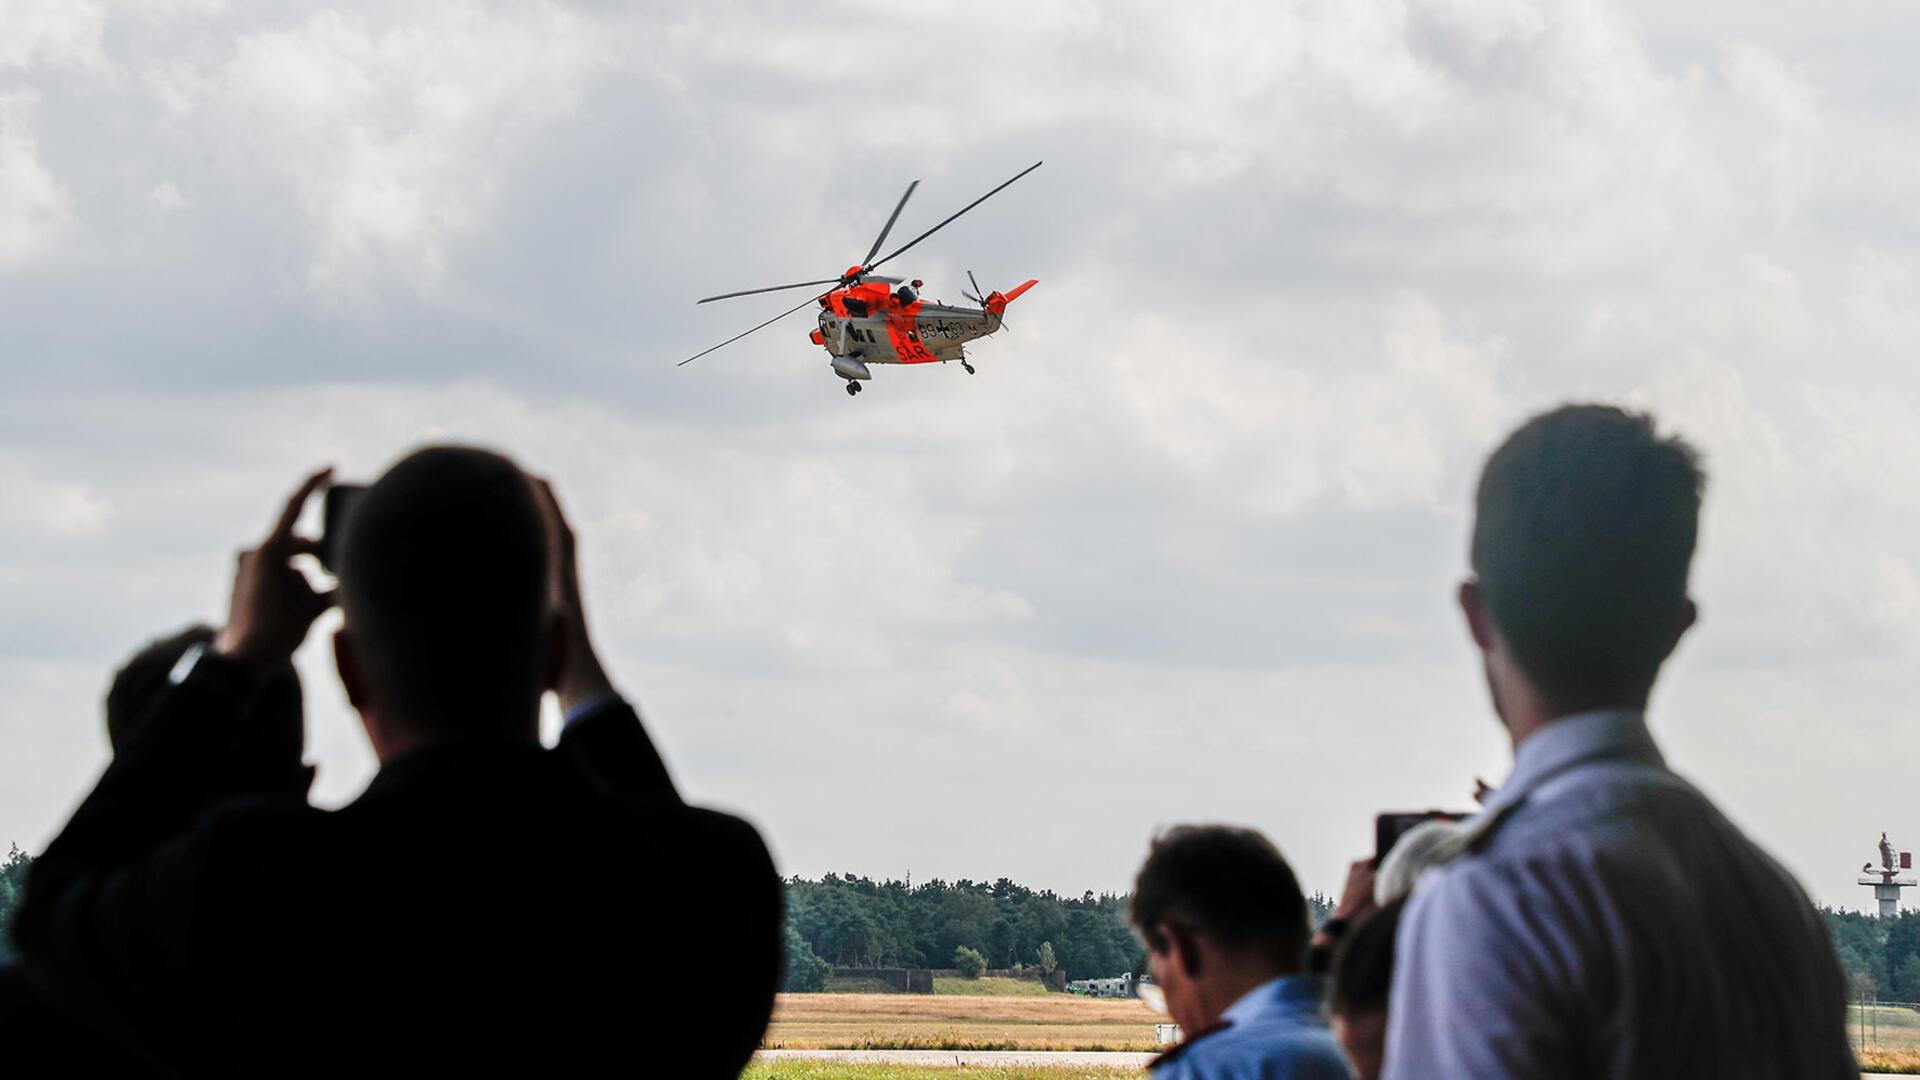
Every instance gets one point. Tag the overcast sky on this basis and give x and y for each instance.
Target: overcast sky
(1182, 550)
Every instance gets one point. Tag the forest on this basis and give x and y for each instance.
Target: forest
(849, 921)
(1880, 956)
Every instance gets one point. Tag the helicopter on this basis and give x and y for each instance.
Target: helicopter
(866, 318)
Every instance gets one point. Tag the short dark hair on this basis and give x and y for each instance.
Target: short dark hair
(1584, 529)
(444, 581)
(266, 750)
(1363, 964)
(1228, 882)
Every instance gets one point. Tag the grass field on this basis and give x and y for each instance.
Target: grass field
(996, 1020)
(959, 1022)
(990, 987)
(1891, 1042)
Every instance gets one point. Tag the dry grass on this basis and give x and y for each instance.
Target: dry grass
(933, 1022)
(1889, 1061)
(989, 986)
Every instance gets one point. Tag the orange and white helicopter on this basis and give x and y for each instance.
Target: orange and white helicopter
(869, 319)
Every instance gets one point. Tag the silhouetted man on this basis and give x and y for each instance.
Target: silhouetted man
(1600, 918)
(1226, 932)
(486, 907)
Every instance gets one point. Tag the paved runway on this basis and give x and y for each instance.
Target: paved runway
(1063, 1058)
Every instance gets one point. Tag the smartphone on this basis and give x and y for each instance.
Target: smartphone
(334, 509)
(1389, 828)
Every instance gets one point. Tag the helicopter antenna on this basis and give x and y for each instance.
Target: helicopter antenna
(762, 326)
(903, 248)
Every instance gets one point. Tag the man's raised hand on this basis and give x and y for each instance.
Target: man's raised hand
(274, 605)
(581, 678)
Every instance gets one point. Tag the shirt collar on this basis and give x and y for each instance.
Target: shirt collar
(1568, 741)
(457, 757)
(1286, 994)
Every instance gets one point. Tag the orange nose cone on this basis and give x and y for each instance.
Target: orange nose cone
(852, 271)
(817, 338)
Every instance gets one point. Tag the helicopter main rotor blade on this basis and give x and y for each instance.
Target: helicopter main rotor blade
(956, 214)
(770, 288)
(762, 326)
(882, 238)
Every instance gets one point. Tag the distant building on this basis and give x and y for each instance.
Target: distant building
(1121, 987)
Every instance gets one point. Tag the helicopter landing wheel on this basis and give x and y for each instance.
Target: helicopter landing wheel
(853, 388)
(968, 366)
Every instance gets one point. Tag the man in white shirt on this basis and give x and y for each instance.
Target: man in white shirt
(1602, 918)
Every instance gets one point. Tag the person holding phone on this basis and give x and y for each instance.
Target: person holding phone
(487, 906)
(1600, 917)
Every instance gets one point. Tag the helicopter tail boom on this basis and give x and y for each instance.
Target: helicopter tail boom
(996, 303)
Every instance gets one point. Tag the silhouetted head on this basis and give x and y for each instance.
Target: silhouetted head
(1220, 912)
(1362, 978)
(444, 582)
(1584, 529)
(267, 750)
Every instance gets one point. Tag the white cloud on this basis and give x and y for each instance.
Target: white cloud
(53, 509)
(165, 197)
(33, 205)
(1761, 78)
(1278, 431)
(51, 33)
(398, 135)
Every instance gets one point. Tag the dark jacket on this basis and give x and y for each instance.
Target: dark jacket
(480, 906)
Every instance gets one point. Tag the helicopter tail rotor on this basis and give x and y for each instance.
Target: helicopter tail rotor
(975, 294)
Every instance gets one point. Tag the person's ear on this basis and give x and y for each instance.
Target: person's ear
(1473, 606)
(1689, 614)
(347, 662)
(556, 652)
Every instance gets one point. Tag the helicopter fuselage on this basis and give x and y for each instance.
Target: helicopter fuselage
(870, 324)
(916, 333)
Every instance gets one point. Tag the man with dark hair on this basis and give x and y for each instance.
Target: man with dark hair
(485, 907)
(1600, 918)
(1225, 927)
(1357, 997)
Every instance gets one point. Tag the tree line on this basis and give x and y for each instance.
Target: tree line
(13, 881)
(849, 921)
(843, 920)
(1881, 957)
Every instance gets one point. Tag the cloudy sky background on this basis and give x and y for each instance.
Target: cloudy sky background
(1182, 550)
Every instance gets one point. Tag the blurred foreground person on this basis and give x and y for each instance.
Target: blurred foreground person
(1600, 918)
(1225, 927)
(1362, 979)
(486, 907)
